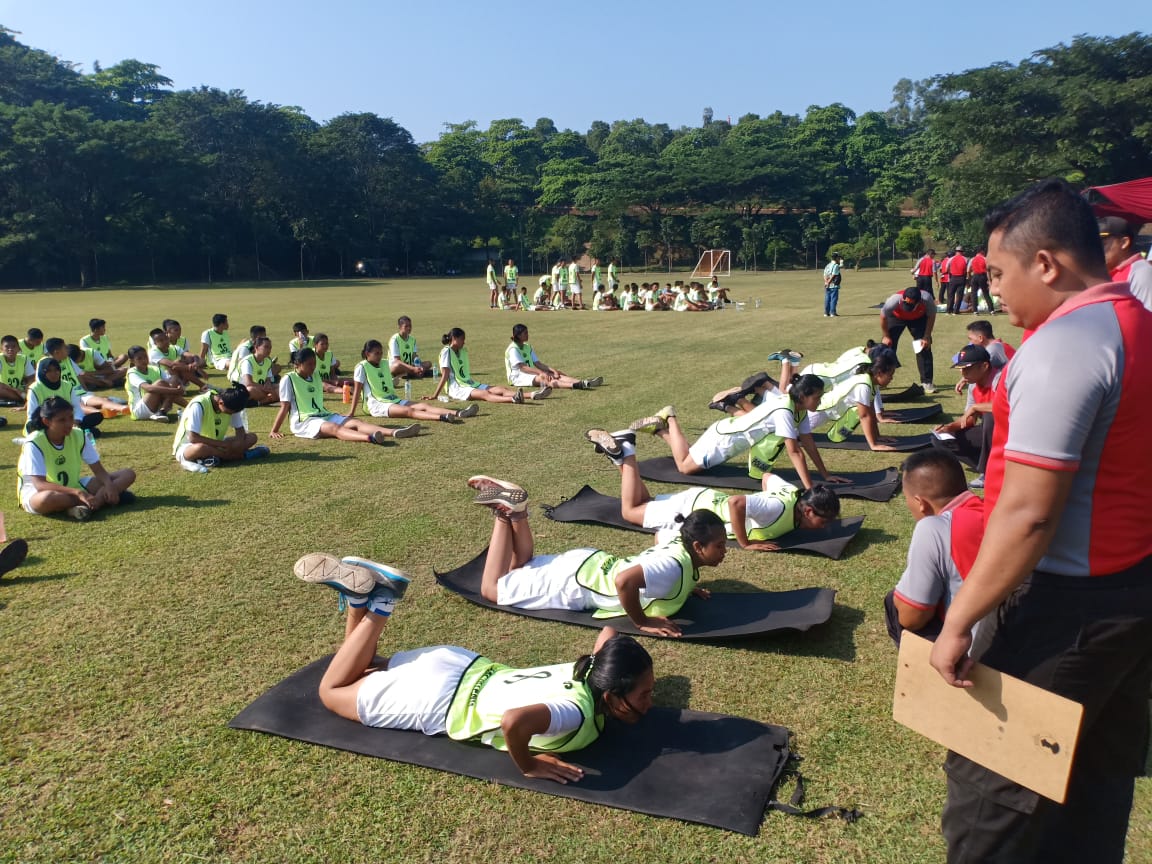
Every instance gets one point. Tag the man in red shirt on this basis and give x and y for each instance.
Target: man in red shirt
(942, 276)
(1066, 558)
(957, 279)
(924, 269)
(970, 436)
(978, 280)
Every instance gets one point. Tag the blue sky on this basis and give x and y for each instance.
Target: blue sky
(437, 61)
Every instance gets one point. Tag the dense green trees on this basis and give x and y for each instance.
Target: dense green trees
(113, 176)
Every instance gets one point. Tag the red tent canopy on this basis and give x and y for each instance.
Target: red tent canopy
(1131, 201)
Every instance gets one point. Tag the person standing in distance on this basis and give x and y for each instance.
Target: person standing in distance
(1066, 560)
(832, 286)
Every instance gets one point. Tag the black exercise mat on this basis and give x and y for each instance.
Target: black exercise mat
(590, 507)
(905, 444)
(707, 768)
(725, 616)
(913, 415)
(870, 485)
(908, 394)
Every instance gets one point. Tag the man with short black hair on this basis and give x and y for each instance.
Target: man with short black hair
(914, 310)
(1067, 545)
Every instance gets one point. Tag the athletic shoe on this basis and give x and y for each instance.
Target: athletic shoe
(194, 467)
(976, 482)
(210, 462)
(543, 393)
(506, 497)
(386, 576)
(666, 412)
(378, 437)
(617, 449)
(518, 399)
(355, 583)
(381, 602)
(580, 385)
(651, 424)
(13, 555)
(79, 512)
(929, 388)
(469, 410)
(257, 452)
(409, 431)
(594, 382)
(788, 354)
(158, 417)
(450, 418)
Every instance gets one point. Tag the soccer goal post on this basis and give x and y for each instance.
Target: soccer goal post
(713, 262)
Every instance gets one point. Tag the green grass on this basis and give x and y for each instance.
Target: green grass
(128, 642)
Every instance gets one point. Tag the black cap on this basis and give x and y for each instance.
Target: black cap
(911, 295)
(1114, 226)
(970, 355)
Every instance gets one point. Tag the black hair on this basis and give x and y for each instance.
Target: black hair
(219, 318)
(320, 336)
(937, 472)
(803, 386)
(700, 526)
(9, 340)
(257, 330)
(235, 398)
(1049, 215)
(402, 320)
(302, 355)
(260, 340)
(93, 323)
(298, 326)
(134, 350)
(75, 352)
(616, 668)
(984, 328)
(53, 345)
(931, 251)
(823, 500)
(883, 360)
(518, 331)
(154, 332)
(34, 333)
(454, 333)
(370, 346)
(169, 322)
(51, 407)
(45, 364)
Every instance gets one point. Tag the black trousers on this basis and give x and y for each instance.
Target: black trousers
(955, 293)
(980, 285)
(924, 358)
(971, 446)
(924, 283)
(1089, 639)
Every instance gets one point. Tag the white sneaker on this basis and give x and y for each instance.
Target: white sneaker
(194, 467)
(543, 393)
(158, 417)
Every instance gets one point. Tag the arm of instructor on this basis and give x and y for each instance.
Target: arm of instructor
(1018, 533)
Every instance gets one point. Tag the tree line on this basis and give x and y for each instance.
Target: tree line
(113, 176)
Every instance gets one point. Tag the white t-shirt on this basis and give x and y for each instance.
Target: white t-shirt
(248, 367)
(135, 379)
(193, 421)
(512, 358)
(32, 462)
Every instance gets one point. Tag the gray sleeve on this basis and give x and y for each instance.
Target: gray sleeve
(1140, 283)
(890, 304)
(997, 354)
(1052, 418)
(924, 582)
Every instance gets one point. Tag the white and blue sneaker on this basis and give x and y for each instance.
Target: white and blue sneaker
(354, 583)
(387, 576)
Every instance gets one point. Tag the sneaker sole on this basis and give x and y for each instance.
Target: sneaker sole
(514, 500)
(79, 512)
(604, 440)
(595, 382)
(320, 569)
(469, 410)
(542, 394)
(408, 431)
(384, 574)
(648, 424)
(481, 482)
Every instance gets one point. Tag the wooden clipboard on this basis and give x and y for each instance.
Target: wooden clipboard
(1007, 725)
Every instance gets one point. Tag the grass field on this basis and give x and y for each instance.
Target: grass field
(128, 642)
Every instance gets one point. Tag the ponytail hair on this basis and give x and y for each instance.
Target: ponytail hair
(134, 350)
(616, 668)
(804, 386)
(454, 333)
(822, 500)
(700, 526)
(883, 360)
(370, 346)
(51, 407)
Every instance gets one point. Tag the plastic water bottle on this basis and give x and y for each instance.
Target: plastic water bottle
(347, 393)
(407, 389)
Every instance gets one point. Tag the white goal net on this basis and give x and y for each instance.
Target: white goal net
(713, 262)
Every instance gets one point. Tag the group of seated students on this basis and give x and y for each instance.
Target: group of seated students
(649, 296)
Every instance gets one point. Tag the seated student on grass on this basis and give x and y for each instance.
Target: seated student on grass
(649, 588)
(970, 436)
(216, 344)
(403, 354)
(51, 466)
(162, 353)
(255, 375)
(300, 338)
(302, 403)
(243, 350)
(753, 521)
(852, 397)
(949, 528)
(525, 369)
(372, 380)
(716, 294)
(32, 345)
(180, 342)
(999, 352)
(456, 376)
(630, 299)
(97, 340)
(96, 371)
(58, 350)
(327, 366)
(50, 382)
(779, 423)
(150, 395)
(532, 714)
(202, 440)
(16, 372)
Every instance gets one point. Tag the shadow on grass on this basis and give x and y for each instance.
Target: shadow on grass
(298, 456)
(834, 639)
(869, 537)
(673, 691)
(30, 580)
